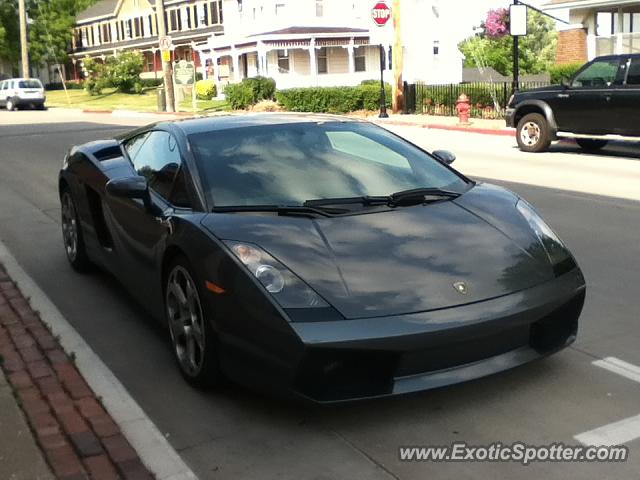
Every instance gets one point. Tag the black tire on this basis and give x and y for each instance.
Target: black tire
(71, 228)
(41, 106)
(202, 369)
(591, 145)
(11, 105)
(533, 133)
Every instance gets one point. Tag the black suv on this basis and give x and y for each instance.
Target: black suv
(601, 102)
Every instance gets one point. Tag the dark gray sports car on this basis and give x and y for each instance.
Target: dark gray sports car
(319, 255)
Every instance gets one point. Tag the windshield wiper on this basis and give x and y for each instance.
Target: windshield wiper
(301, 210)
(402, 198)
(364, 200)
(416, 196)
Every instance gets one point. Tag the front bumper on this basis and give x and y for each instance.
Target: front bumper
(373, 357)
(509, 117)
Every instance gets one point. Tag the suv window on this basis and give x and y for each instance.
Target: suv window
(29, 84)
(633, 77)
(601, 73)
(155, 155)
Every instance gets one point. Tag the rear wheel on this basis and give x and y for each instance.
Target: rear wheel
(533, 133)
(591, 145)
(72, 234)
(193, 339)
(11, 104)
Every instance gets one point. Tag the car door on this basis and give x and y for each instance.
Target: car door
(3, 93)
(627, 100)
(141, 231)
(585, 106)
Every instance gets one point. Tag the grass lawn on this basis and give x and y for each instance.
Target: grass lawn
(111, 100)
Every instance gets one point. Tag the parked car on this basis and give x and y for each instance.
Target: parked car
(22, 92)
(319, 255)
(600, 103)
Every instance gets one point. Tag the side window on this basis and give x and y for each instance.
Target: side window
(633, 77)
(155, 155)
(601, 73)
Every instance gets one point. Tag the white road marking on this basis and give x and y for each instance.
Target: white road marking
(615, 433)
(152, 447)
(620, 367)
(624, 430)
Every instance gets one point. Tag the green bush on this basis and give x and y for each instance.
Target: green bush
(205, 89)
(71, 85)
(123, 72)
(151, 82)
(562, 72)
(332, 99)
(249, 92)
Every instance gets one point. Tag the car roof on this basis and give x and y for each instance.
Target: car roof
(20, 79)
(224, 122)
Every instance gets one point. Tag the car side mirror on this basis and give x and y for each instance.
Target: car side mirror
(445, 156)
(130, 187)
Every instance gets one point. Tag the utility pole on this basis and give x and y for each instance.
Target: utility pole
(24, 46)
(397, 103)
(167, 68)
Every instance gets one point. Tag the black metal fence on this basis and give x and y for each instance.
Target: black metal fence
(488, 100)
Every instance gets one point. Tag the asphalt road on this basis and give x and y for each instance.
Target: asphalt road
(235, 433)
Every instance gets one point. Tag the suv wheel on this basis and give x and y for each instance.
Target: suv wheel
(11, 105)
(532, 133)
(590, 145)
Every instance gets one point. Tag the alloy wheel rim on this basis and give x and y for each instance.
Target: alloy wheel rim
(69, 226)
(186, 322)
(530, 133)
(9, 105)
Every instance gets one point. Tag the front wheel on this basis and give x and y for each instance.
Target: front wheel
(533, 133)
(591, 145)
(11, 105)
(193, 339)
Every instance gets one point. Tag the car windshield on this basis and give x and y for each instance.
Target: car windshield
(29, 84)
(288, 164)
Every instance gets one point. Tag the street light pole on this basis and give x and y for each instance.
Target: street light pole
(167, 68)
(24, 46)
(383, 99)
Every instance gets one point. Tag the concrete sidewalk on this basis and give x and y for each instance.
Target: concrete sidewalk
(476, 125)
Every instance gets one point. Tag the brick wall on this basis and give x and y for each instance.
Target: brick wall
(572, 46)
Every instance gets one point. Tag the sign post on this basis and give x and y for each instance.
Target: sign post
(380, 33)
(184, 74)
(517, 29)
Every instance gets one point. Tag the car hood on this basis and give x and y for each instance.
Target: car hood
(405, 260)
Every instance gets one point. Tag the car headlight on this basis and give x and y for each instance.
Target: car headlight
(285, 287)
(553, 246)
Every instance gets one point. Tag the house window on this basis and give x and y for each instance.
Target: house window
(215, 13)
(360, 60)
(174, 20)
(127, 29)
(280, 8)
(203, 16)
(83, 37)
(106, 37)
(322, 60)
(149, 57)
(319, 8)
(283, 61)
(136, 28)
(185, 21)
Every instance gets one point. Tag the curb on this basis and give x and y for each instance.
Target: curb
(111, 423)
(136, 112)
(78, 437)
(505, 132)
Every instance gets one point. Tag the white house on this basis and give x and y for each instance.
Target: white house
(297, 42)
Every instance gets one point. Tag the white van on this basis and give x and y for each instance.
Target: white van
(20, 92)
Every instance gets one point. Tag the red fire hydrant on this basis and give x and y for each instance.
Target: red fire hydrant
(463, 106)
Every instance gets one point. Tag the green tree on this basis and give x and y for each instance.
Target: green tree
(9, 32)
(52, 28)
(537, 49)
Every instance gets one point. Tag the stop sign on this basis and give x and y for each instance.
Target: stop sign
(381, 14)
